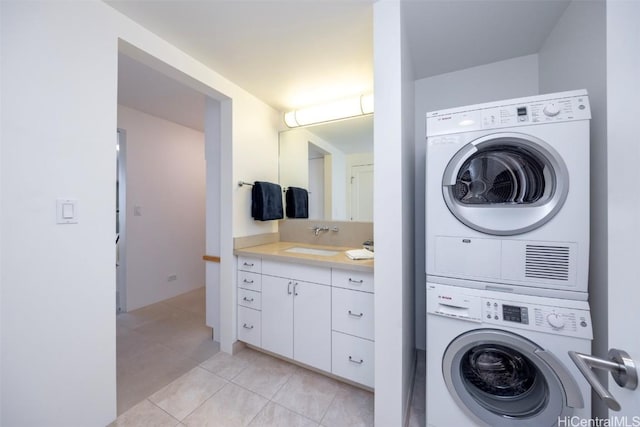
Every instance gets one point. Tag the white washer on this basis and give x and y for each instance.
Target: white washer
(507, 203)
(496, 359)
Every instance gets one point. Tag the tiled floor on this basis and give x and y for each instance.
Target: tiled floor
(252, 389)
(159, 343)
(188, 387)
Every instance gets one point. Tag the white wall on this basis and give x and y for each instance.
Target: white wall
(623, 150)
(213, 158)
(393, 212)
(59, 103)
(407, 191)
(166, 181)
(574, 57)
(294, 158)
(511, 78)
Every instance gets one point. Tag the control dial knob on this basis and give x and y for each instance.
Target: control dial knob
(551, 110)
(555, 320)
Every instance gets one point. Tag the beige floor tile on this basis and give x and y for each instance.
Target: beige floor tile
(146, 371)
(308, 394)
(130, 344)
(145, 414)
(230, 407)
(136, 318)
(186, 393)
(193, 301)
(225, 365)
(265, 375)
(189, 337)
(274, 415)
(253, 356)
(351, 407)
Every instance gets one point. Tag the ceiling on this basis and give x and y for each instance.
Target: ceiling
(289, 53)
(446, 36)
(295, 53)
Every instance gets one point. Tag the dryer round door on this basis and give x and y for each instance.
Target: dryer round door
(502, 379)
(505, 184)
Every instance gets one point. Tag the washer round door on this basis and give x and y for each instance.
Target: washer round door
(505, 184)
(502, 379)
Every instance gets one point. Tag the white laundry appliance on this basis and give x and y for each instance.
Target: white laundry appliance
(499, 359)
(507, 195)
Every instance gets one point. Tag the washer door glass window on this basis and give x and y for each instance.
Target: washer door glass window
(503, 381)
(500, 379)
(502, 172)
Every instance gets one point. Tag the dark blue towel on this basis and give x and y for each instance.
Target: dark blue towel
(266, 201)
(297, 202)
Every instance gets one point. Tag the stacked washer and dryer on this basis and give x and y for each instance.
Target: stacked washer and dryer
(507, 219)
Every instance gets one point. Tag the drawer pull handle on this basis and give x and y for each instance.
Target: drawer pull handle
(352, 360)
(248, 299)
(247, 326)
(289, 288)
(355, 315)
(248, 281)
(248, 264)
(295, 293)
(356, 281)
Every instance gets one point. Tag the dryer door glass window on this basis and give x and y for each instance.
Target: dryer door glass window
(503, 174)
(505, 184)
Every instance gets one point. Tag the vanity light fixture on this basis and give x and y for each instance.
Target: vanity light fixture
(336, 110)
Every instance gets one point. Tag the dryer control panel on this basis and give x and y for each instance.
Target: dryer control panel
(542, 314)
(561, 107)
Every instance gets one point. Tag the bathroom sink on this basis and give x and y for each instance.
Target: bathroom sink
(311, 251)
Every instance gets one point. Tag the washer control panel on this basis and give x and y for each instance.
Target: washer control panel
(558, 320)
(528, 312)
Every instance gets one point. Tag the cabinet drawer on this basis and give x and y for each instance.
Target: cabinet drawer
(358, 280)
(249, 263)
(352, 312)
(250, 299)
(307, 273)
(249, 326)
(247, 280)
(352, 358)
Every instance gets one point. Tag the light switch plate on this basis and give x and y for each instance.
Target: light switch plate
(66, 211)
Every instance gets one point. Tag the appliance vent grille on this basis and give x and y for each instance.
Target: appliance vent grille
(547, 262)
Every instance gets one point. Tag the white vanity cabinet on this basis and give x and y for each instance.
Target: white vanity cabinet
(352, 324)
(249, 299)
(320, 316)
(296, 314)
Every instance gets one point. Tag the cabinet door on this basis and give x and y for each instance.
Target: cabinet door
(277, 315)
(312, 325)
(352, 312)
(249, 326)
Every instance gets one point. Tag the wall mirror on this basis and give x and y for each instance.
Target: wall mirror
(334, 162)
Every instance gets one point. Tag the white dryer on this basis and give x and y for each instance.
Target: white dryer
(501, 360)
(507, 195)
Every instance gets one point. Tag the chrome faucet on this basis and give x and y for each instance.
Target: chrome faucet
(317, 229)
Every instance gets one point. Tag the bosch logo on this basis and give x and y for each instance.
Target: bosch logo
(444, 297)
